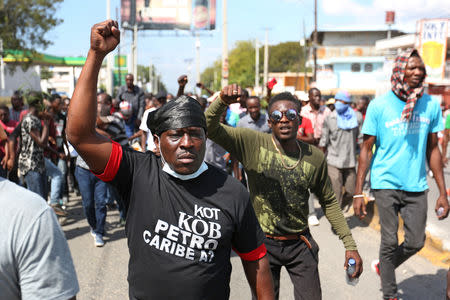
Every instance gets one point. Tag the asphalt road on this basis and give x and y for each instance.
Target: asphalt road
(102, 272)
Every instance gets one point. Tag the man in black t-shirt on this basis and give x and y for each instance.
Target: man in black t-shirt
(184, 216)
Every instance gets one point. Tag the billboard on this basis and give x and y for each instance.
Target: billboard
(169, 14)
(433, 47)
(390, 17)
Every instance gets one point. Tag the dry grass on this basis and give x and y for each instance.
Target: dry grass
(5, 100)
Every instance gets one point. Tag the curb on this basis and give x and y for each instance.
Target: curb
(433, 250)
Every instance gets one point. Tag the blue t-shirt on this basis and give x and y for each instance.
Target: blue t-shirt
(399, 158)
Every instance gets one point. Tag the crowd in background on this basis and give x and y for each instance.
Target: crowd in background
(38, 156)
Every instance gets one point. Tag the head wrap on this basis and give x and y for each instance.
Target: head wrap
(346, 116)
(180, 113)
(344, 96)
(401, 88)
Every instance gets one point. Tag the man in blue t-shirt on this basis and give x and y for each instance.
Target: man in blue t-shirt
(403, 125)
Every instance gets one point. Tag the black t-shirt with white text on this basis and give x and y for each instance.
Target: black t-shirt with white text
(180, 232)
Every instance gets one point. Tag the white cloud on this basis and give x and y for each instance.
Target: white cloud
(407, 11)
(342, 7)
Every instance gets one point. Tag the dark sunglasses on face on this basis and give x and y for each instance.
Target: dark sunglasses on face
(277, 115)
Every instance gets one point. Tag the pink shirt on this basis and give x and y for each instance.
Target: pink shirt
(317, 118)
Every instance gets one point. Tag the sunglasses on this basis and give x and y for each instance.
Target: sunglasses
(277, 115)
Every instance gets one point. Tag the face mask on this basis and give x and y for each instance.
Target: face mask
(340, 107)
(166, 168)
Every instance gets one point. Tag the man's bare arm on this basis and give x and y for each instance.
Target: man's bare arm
(144, 141)
(93, 147)
(203, 87)
(444, 146)
(259, 278)
(11, 145)
(40, 138)
(308, 138)
(182, 81)
(435, 162)
(365, 157)
(2, 134)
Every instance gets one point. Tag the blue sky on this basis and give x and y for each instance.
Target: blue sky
(246, 21)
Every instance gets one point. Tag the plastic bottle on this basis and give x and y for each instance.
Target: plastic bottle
(351, 267)
(440, 211)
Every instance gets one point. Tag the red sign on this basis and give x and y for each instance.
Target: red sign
(390, 17)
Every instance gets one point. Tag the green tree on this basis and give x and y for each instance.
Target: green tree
(24, 24)
(144, 76)
(241, 64)
(211, 76)
(143, 73)
(283, 57)
(45, 72)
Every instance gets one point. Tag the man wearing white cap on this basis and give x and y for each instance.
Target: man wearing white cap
(340, 134)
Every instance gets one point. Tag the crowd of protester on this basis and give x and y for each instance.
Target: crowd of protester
(36, 154)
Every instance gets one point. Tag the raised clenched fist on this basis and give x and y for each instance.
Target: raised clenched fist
(182, 80)
(105, 36)
(231, 94)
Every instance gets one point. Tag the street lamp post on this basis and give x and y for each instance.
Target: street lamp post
(224, 45)
(256, 66)
(2, 69)
(266, 62)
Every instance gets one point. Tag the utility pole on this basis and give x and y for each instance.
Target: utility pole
(266, 62)
(118, 51)
(305, 56)
(109, 57)
(2, 69)
(256, 65)
(150, 67)
(197, 61)
(154, 82)
(134, 51)
(224, 45)
(315, 42)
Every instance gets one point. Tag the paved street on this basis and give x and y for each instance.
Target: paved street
(102, 272)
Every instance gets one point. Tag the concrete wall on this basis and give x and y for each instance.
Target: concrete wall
(349, 38)
(342, 77)
(19, 79)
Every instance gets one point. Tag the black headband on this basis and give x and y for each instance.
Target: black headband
(179, 113)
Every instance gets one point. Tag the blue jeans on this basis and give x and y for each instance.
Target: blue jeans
(93, 194)
(113, 195)
(62, 166)
(56, 181)
(36, 182)
(3, 172)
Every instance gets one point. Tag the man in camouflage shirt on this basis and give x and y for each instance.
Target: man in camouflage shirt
(34, 136)
(280, 171)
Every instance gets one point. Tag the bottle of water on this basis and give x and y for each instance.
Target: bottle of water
(351, 267)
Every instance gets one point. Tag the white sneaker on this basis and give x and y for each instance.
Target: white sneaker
(98, 239)
(375, 266)
(313, 221)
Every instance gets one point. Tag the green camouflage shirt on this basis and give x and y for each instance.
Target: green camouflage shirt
(279, 196)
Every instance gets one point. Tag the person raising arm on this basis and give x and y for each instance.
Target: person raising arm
(82, 114)
(182, 213)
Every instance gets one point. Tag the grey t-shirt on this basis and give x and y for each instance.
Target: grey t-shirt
(341, 144)
(260, 125)
(35, 260)
(214, 155)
